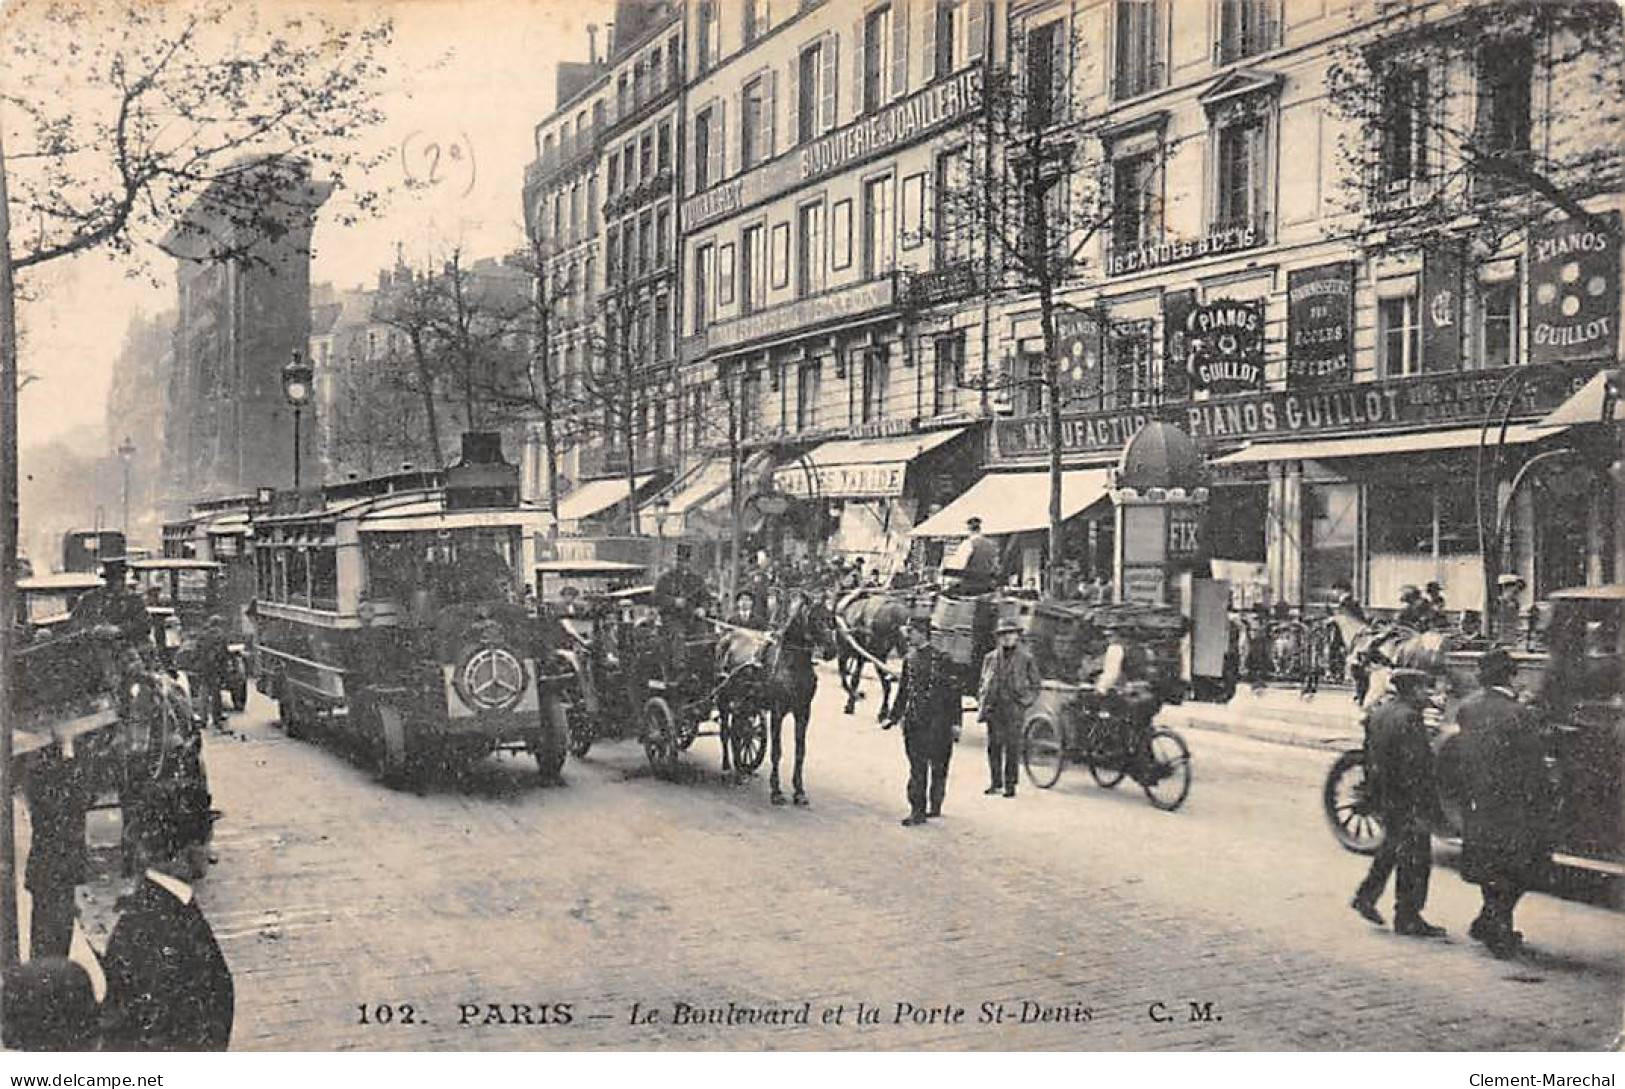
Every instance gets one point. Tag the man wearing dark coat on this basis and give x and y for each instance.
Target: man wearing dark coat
(168, 985)
(683, 601)
(927, 704)
(1506, 833)
(1010, 684)
(1401, 788)
(58, 796)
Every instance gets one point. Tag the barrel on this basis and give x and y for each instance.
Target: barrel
(958, 644)
(954, 612)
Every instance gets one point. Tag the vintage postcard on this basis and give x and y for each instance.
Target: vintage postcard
(881, 525)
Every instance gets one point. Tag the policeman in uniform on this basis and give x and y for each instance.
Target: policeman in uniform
(1400, 783)
(927, 704)
(683, 601)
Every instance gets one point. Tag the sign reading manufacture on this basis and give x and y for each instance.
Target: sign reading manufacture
(916, 116)
(1461, 399)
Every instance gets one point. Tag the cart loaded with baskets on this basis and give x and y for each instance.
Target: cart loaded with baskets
(1113, 733)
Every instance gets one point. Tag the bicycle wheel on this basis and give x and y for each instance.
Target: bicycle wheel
(1042, 751)
(1168, 779)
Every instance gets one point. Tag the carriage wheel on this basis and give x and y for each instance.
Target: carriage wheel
(749, 738)
(1348, 811)
(1168, 780)
(1042, 752)
(660, 735)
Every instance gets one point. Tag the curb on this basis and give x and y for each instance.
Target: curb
(1296, 737)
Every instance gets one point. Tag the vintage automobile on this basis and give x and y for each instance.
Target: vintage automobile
(1577, 689)
(181, 596)
(392, 610)
(84, 550)
(590, 648)
(47, 601)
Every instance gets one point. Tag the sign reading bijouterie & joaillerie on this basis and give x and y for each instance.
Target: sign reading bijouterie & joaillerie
(1459, 399)
(814, 310)
(920, 114)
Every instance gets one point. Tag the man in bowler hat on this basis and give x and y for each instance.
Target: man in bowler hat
(927, 704)
(1506, 841)
(1402, 789)
(1010, 684)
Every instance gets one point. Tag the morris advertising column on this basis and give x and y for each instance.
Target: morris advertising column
(1160, 495)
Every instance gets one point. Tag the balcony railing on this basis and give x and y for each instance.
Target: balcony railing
(950, 283)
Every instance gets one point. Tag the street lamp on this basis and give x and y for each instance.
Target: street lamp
(126, 451)
(296, 378)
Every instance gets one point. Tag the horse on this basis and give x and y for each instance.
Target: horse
(871, 625)
(1398, 647)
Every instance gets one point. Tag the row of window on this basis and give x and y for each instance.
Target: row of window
(642, 159)
(299, 575)
(638, 245)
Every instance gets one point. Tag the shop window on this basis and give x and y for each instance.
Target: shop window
(810, 249)
(948, 372)
(1498, 323)
(1331, 537)
(1399, 337)
(1246, 28)
(876, 371)
(1236, 522)
(1402, 518)
(1140, 34)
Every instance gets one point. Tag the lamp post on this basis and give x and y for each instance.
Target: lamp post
(126, 451)
(296, 378)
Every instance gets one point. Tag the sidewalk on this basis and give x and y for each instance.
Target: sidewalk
(1328, 720)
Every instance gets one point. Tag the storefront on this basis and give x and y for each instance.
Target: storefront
(601, 507)
(874, 491)
(1014, 509)
(1370, 482)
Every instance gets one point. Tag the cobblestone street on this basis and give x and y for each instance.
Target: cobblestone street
(333, 893)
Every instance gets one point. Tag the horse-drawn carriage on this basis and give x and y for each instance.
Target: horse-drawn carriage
(1577, 691)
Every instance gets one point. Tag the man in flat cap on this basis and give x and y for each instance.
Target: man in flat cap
(1010, 685)
(975, 563)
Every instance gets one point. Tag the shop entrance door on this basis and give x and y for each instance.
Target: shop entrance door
(1331, 537)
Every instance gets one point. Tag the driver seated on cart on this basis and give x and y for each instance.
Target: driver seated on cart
(684, 602)
(973, 567)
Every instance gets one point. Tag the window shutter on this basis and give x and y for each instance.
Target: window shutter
(860, 60)
(826, 108)
(713, 166)
(1258, 169)
(1060, 71)
(770, 113)
(899, 39)
(977, 29)
(792, 116)
(928, 37)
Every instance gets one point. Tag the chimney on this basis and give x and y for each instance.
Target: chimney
(609, 40)
(592, 43)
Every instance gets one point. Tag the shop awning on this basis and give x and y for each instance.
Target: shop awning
(596, 496)
(859, 468)
(1016, 503)
(691, 490)
(1585, 405)
(1361, 446)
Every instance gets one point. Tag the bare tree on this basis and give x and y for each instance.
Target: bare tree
(1446, 134)
(411, 308)
(478, 324)
(123, 116)
(1033, 194)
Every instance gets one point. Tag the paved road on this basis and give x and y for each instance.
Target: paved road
(1080, 907)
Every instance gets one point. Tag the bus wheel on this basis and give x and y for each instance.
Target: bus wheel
(392, 753)
(552, 740)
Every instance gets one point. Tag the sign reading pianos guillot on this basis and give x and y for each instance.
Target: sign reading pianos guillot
(1574, 289)
(1459, 399)
(1225, 345)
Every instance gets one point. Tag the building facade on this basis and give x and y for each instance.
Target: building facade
(1363, 391)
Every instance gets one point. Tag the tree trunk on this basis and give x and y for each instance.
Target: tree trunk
(549, 439)
(736, 501)
(426, 383)
(8, 579)
(628, 434)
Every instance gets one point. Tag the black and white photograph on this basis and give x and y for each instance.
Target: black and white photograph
(737, 526)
